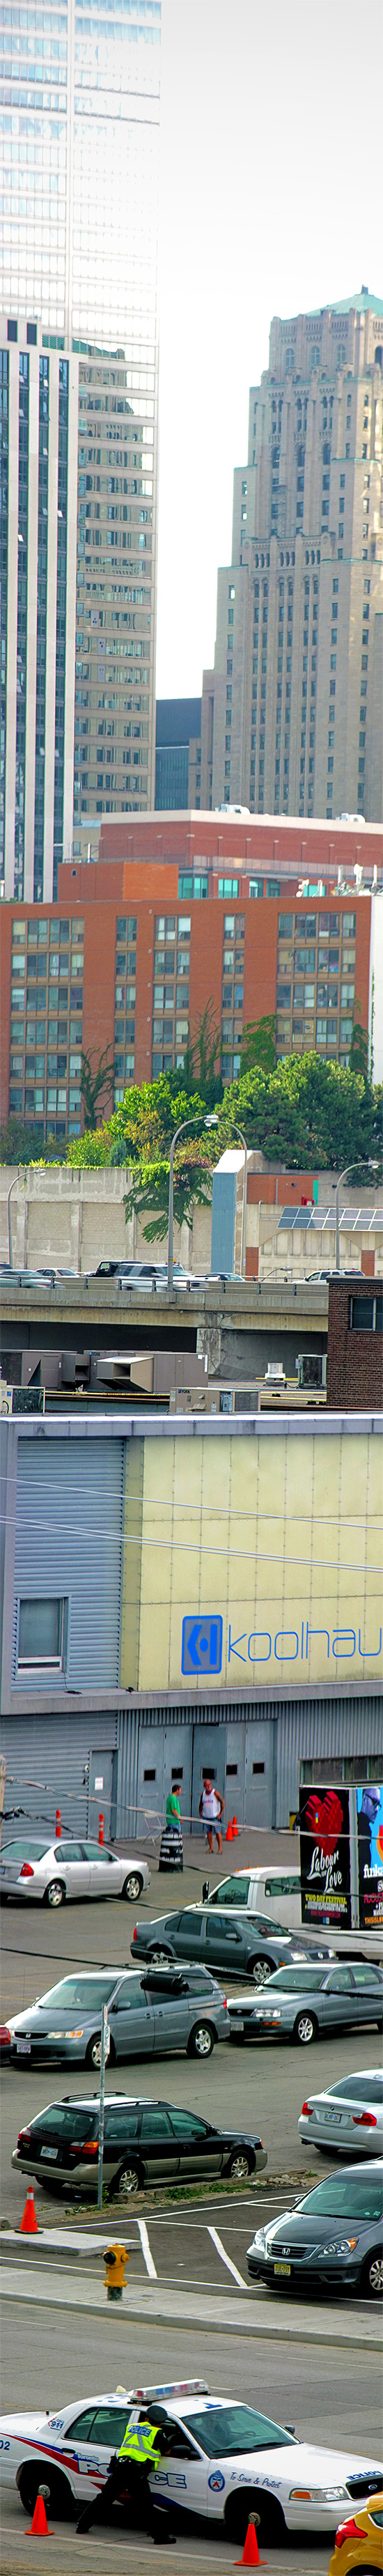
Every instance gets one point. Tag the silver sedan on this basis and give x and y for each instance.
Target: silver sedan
(49, 1873)
(300, 2003)
(348, 2118)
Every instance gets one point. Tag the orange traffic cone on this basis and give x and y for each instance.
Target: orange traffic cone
(229, 1836)
(28, 2222)
(39, 2528)
(235, 1827)
(250, 2556)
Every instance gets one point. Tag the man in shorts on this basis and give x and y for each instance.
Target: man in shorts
(211, 1807)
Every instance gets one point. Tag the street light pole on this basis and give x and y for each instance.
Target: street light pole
(363, 1166)
(13, 1187)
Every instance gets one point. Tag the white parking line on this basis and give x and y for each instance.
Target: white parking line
(148, 2257)
(226, 2258)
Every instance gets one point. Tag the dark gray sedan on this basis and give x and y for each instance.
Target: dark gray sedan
(233, 1943)
(303, 2002)
(148, 2016)
(334, 2235)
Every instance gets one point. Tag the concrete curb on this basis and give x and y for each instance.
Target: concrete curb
(178, 2308)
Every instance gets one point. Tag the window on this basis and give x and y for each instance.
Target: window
(42, 1634)
(366, 1314)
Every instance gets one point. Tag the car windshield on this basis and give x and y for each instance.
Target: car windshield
(346, 2195)
(78, 1992)
(293, 1980)
(25, 1850)
(359, 2088)
(229, 2429)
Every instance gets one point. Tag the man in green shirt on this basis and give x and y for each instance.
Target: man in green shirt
(173, 1811)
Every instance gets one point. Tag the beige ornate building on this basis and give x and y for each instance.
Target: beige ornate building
(292, 712)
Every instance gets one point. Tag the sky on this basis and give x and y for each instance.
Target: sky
(270, 202)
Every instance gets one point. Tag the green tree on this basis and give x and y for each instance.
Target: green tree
(148, 1118)
(96, 1079)
(25, 1143)
(202, 1059)
(308, 1114)
(358, 1057)
(258, 1044)
(90, 1151)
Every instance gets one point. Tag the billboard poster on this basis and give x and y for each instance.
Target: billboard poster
(324, 1833)
(369, 1802)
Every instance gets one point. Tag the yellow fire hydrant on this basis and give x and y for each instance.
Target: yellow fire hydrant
(115, 2259)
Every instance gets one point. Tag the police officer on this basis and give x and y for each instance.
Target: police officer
(129, 2472)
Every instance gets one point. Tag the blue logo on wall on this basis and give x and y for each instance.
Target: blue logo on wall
(202, 1645)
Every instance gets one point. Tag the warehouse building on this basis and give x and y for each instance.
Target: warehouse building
(184, 1596)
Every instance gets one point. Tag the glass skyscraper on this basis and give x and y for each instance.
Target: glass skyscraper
(79, 137)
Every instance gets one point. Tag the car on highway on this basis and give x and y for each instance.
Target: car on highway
(348, 2117)
(359, 2541)
(140, 1274)
(224, 2461)
(310, 2000)
(145, 2143)
(50, 1873)
(228, 1941)
(333, 2237)
(148, 2016)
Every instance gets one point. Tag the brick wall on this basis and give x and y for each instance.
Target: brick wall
(354, 1356)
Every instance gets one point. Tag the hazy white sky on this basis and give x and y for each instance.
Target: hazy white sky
(270, 203)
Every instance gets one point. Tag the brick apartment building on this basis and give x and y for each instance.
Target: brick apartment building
(168, 924)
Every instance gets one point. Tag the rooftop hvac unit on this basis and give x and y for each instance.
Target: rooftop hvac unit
(312, 1369)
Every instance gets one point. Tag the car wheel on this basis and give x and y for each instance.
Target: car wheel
(268, 2517)
(240, 2166)
(57, 2492)
(159, 1957)
(371, 2281)
(260, 1970)
(133, 1887)
(93, 2052)
(55, 1893)
(126, 2183)
(201, 2042)
(305, 2028)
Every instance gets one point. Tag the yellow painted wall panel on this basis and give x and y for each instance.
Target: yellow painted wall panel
(277, 1537)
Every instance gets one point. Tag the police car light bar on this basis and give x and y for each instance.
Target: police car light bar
(174, 2388)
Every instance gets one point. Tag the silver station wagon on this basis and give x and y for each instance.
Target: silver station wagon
(149, 2015)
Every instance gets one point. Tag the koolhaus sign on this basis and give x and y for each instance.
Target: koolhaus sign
(204, 1650)
(341, 1854)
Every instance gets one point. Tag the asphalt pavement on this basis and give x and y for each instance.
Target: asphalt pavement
(261, 2086)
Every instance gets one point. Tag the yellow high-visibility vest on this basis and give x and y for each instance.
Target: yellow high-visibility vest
(138, 2444)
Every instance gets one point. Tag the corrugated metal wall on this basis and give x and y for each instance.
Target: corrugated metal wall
(46, 1759)
(325, 1727)
(68, 1542)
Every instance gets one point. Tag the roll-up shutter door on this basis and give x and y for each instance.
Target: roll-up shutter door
(68, 1543)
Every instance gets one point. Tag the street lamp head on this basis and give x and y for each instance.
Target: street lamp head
(212, 1119)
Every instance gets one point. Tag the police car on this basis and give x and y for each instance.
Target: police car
(219, 2458)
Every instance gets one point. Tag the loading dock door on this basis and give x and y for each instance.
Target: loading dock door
(259, 1758)
(102, 1794)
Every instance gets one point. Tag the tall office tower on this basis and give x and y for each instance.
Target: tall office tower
(292, 713)
(79, 132)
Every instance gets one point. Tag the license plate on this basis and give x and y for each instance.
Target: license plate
(50, 2154)
(283, 2267)
(332, 2115)
(237, 2025)
(23, 2047)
